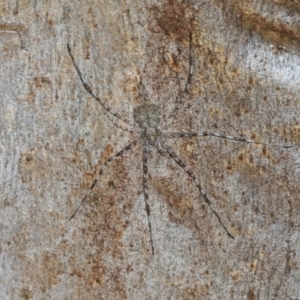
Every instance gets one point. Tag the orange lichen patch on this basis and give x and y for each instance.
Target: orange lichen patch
(32, 167)
(12, 27)
(215, 113)
(175, 18)
(31, 96)
(101, 233)
(289, 133)
(214, 62)
(105, 217)
(271, 29)
(196, 292)
(37, 83)
(90, 177)
(173, 192)
(187, 148)
(251, 294)
(291, 5)
(235, 275)
(274, 31)
(26, 294)
(182, 200)
(41, 81)
(52, 267)
(131, 82)
(243, 161)
(174, 28)
(253, 265)
(43, 272)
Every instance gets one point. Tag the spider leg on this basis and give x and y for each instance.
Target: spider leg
(171, 135)
(188, 79)
(181, 163)
(109, 160)
(89, 90)
(111, 118)
(146, 190)
(228, 137)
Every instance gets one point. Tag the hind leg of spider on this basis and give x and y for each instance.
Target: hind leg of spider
(180, 162)
(218, 135)
(146, 190)
(109, 160)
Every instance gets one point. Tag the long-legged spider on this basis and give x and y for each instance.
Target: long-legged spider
(147, 118)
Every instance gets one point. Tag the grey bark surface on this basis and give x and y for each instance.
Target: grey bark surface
(244, 64)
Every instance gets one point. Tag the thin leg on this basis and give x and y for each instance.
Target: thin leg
(228, 137)
(109, 160)
(111, 118)
(146, 190)
(89, 90)
(188, 80)
(180, 162)
(172, 135)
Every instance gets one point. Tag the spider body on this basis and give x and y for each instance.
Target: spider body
(147, 115)
(147, 119)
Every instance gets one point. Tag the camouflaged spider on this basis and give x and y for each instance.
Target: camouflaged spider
(147, 119)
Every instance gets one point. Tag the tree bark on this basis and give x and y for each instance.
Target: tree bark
(227, 67)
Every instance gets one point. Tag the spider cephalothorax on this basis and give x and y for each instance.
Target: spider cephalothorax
(148, 117)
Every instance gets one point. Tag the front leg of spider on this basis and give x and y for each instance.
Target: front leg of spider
(107, 109)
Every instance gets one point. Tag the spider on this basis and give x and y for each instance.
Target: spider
(147, 118)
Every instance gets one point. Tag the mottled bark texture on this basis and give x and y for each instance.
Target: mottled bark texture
(230, 67)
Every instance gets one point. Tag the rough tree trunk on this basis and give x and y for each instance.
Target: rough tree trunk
(222, 66)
